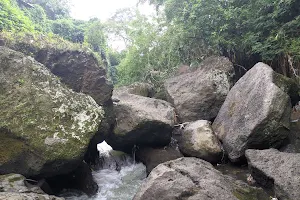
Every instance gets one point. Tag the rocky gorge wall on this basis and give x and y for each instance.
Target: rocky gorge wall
(54, 113)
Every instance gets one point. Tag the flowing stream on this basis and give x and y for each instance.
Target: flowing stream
(118, 178)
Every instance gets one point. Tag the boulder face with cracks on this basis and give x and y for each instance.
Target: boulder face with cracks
(193, 179)
(141, 121)
(45, 127)
(277, 170)
(256, 112)
(79, 70)
(200, 94)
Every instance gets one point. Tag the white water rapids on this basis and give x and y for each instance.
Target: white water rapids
(118, 179)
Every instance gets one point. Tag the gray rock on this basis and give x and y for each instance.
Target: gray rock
(280, 170)
(80, 179)
(142, 89)
(16, 183)
(200, 94)
(198, 140)
(45, 128)
(141, 121)
(151, 157)
(79, 70)
(256, 113)
(27, 196)
(193, 179)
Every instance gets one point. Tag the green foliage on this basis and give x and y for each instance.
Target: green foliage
(12, 18)
(189, 30)
(39, 18)
(156, 48)
(69, 29)
(54, 9)
(36, 41)
(95, 36)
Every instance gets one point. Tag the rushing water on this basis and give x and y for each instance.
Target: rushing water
(118, 178)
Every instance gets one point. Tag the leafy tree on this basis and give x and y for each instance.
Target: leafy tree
(95, 36)
(245, 31)
(12, 18)
(69, 29)
(39, 18)
(55, 9)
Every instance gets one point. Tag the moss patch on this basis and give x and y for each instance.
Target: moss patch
(231, 109)
(250, 193)
(16, 178)
(10, 148)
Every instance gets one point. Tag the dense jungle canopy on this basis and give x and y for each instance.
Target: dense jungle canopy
(182, 33)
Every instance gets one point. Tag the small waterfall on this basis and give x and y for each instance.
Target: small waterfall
(119, 176)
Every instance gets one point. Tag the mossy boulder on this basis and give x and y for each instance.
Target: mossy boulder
(256, 113)
(76, 66)
(45, 128)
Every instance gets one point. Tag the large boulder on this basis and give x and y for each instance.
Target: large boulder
(278, 170)
(197, 139)
(79, 70)
(191, 179)
(200, 94)
(141, 121)
(256, 113)
(45, 128)
(151, 157)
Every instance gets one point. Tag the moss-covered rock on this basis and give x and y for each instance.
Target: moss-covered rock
(45, 127)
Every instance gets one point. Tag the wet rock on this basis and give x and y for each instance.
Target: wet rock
(45, 128)
(277, 170)
(27, 196)
(80, 179)
(151, 157)
(17, 187)
(192, 178)
(141, 121)
(17, 183)
(200, 94)
(256, 113)
(198, 140)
